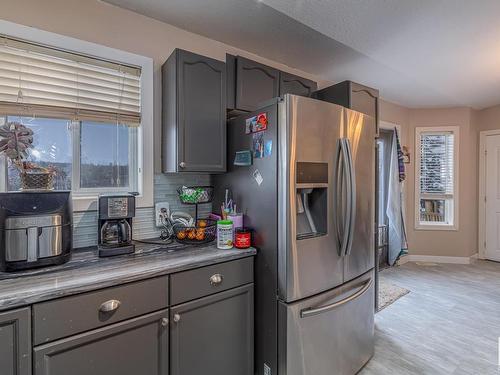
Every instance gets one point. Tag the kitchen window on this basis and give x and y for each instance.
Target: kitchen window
(436, 182)
(85, 114)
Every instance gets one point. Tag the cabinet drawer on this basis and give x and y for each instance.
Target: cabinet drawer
(200, 282)
(71, 315)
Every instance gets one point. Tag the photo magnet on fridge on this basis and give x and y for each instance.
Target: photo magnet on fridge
(256, 124)
(268, 148)
(258, 145)
(243, 158)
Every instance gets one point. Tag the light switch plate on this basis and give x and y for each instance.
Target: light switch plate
(161, 209)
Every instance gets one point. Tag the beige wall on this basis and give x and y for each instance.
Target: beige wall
(98, 22)
(462, 242)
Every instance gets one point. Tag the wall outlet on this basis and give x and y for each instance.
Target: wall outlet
(162, 209)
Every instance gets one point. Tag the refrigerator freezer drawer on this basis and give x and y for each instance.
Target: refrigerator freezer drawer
(331, 333)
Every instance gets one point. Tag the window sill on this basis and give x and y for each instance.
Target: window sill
(431, 227)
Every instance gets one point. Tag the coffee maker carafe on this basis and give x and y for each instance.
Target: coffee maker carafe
(115, 224)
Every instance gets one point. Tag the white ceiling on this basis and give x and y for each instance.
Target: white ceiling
(425, 53)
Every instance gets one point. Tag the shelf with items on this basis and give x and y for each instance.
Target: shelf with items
(198, 230)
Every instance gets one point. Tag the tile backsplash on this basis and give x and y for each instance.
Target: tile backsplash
(165, 190)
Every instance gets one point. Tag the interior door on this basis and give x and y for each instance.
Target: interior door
(309, 260)
(360, 131)
(492, 185)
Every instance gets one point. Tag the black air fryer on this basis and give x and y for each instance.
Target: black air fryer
(35, 229)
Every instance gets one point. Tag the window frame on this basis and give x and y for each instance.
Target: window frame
(419, 225)
(145, 157)
(135, 172)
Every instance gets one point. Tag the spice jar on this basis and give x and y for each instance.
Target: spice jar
(243, 238)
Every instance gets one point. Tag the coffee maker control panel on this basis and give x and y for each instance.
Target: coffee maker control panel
(118, 207)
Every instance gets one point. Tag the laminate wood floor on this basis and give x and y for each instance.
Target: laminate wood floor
(449, 323)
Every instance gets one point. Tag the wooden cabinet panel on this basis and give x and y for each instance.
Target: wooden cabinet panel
(213, 335)
(15, 342)
(255, 83)
(135, 346)
(292, 84)
(194, 113)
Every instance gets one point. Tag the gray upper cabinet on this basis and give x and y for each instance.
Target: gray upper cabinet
(250, 83)
(194, 114)
(352, 95)
(255, 83)
(213, 335)
(15, 342)
(292, 84)
(135, 346)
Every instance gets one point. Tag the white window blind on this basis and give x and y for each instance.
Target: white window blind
(436, 163)
(41, 81)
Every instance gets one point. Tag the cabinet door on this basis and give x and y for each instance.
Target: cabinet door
(135, 346)
(213, 335)
(15, 342)
(201, 115)
(255, 83)
(292, 84)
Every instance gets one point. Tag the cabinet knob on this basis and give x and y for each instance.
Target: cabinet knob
(110, 305)
(216, 279)
(182, 164)
(164, 322)
(177, 317)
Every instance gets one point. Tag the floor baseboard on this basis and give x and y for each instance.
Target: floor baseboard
(442, 259)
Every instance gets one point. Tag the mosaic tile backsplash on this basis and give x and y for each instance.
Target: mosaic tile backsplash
(165, 190)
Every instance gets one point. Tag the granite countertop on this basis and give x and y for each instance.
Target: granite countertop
(86, 271)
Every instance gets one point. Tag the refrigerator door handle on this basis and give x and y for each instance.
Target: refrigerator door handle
(311, 311)
(351, 198)
(341, 178)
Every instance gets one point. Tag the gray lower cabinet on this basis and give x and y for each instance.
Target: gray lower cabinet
(292, 84)
(132, 347)
(213, 335)
(194, 113)
(15, 342)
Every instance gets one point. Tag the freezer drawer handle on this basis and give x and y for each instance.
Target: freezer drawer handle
(315, 311)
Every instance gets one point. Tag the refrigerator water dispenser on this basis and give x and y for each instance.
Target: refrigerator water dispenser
(311, 212)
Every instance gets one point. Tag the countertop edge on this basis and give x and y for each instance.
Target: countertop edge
(29, 298)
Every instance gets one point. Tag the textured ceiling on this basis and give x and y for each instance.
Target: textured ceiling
(424, 53)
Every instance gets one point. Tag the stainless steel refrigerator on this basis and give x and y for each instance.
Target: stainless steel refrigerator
(303, 173)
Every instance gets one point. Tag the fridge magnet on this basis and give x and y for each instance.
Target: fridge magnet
(256, 124)
(243, 158)
(268, 148)
(258, 177)
(258, 145)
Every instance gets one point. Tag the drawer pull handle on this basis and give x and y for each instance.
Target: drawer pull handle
(110, 305)
(164, 322)
(216, 279)
(177, 317)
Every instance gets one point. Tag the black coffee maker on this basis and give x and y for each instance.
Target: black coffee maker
(115, 213)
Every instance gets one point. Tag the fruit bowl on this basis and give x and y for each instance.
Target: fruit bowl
(203, 232)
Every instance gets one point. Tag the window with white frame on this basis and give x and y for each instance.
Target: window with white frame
(436, 178)
(84, 112)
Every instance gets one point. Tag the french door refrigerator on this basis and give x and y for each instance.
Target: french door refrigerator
(302, 172)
